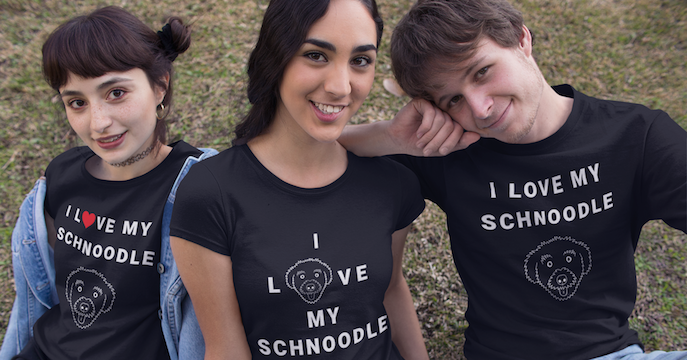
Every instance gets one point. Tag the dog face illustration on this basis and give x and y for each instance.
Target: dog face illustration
(309, 278)
(89, 295)
(558, 265)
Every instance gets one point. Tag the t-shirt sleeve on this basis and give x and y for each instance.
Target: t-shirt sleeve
(429, 173)
(664, 175)
(199, 213)
(412, 203)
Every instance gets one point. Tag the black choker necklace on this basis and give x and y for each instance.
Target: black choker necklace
(135, 158)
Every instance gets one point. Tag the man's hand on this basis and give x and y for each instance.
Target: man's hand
(422, 129)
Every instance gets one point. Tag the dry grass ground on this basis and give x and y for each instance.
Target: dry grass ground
(632, 50)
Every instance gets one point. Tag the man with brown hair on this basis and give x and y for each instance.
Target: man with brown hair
(545, 206)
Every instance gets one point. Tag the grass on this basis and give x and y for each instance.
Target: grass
(631, 50)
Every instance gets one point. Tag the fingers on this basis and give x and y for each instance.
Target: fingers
(438, 134)
(445, 133)
(432, 120)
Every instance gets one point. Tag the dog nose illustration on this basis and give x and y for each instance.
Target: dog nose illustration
(562, 280)
(83, 307)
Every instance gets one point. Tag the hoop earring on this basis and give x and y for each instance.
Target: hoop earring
(157, 113)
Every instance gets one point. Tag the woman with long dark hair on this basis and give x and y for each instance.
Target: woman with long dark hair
(288, 244)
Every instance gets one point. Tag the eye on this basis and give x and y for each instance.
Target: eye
(481, 72)
(302, 276)
(76, 104)
(361, 61)
(79, 288)
(95, 294)
(116, 94)
(317, 275)
(549, 264)
(316, 56)
(569, 259)
(454, 100)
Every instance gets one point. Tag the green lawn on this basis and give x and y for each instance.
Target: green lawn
(631, 50)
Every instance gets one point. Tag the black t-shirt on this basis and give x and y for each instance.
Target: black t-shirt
(108, 246)
(543, 234)
(310, 266)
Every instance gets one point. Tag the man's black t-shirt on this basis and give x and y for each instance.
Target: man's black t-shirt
(543, 234)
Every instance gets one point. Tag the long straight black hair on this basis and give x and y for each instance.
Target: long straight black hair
(284, 28)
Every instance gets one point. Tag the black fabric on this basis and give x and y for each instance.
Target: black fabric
(337, 238)
(543, 234)
(107, 249)
(31, 352)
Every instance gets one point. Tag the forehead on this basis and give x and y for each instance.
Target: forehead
(75, 82)
(346, 20)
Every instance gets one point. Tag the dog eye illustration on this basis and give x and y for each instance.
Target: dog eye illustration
(95, 294)
(549, 263)
(568, 259)
(302, 276)
(317, 275)
(79, 288)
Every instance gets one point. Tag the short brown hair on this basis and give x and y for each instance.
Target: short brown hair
(438, 33)
(112, 39)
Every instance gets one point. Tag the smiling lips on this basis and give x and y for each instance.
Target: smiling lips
(499, 120)
(110, 142)
(110, 139)
(328, 109)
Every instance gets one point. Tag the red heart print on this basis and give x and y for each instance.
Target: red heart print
(88, 219)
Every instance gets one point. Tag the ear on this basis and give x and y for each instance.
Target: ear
(160, 91)
(530, 266)
(525, 43)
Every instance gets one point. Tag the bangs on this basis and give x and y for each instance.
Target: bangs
(91, 47)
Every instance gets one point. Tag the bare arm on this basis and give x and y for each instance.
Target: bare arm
(208, 278)
(419, 129)
(50, 225)
(405, 328)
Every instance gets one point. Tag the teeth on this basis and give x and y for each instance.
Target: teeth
(111, 139)
(328, 109)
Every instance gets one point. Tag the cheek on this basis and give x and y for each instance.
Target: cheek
(361, 85)
(79, 123)
(463, 118)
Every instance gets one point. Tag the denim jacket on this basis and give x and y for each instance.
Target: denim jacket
(34, 277)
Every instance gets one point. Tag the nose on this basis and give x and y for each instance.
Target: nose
(100, 119)
(480, 104)
(562, 279)
(338, 81)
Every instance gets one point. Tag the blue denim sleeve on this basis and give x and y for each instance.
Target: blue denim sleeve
(34, 272)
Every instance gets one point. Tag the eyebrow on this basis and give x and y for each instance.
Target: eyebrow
(329, 46)
(467, 70)
(106, 84)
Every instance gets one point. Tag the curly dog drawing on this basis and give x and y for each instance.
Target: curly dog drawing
(309, 278)
(558, 265)
(89, 295)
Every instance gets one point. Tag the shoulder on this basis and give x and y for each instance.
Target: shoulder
(183, 148)
(219, 168)
(381, 168)
(69, 160)
(615, 109)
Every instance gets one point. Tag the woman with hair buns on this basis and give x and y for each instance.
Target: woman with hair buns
(100, 270)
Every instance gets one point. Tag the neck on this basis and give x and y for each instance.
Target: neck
(299, 161)
(552, 114)
(128, 169)
(556, 112)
